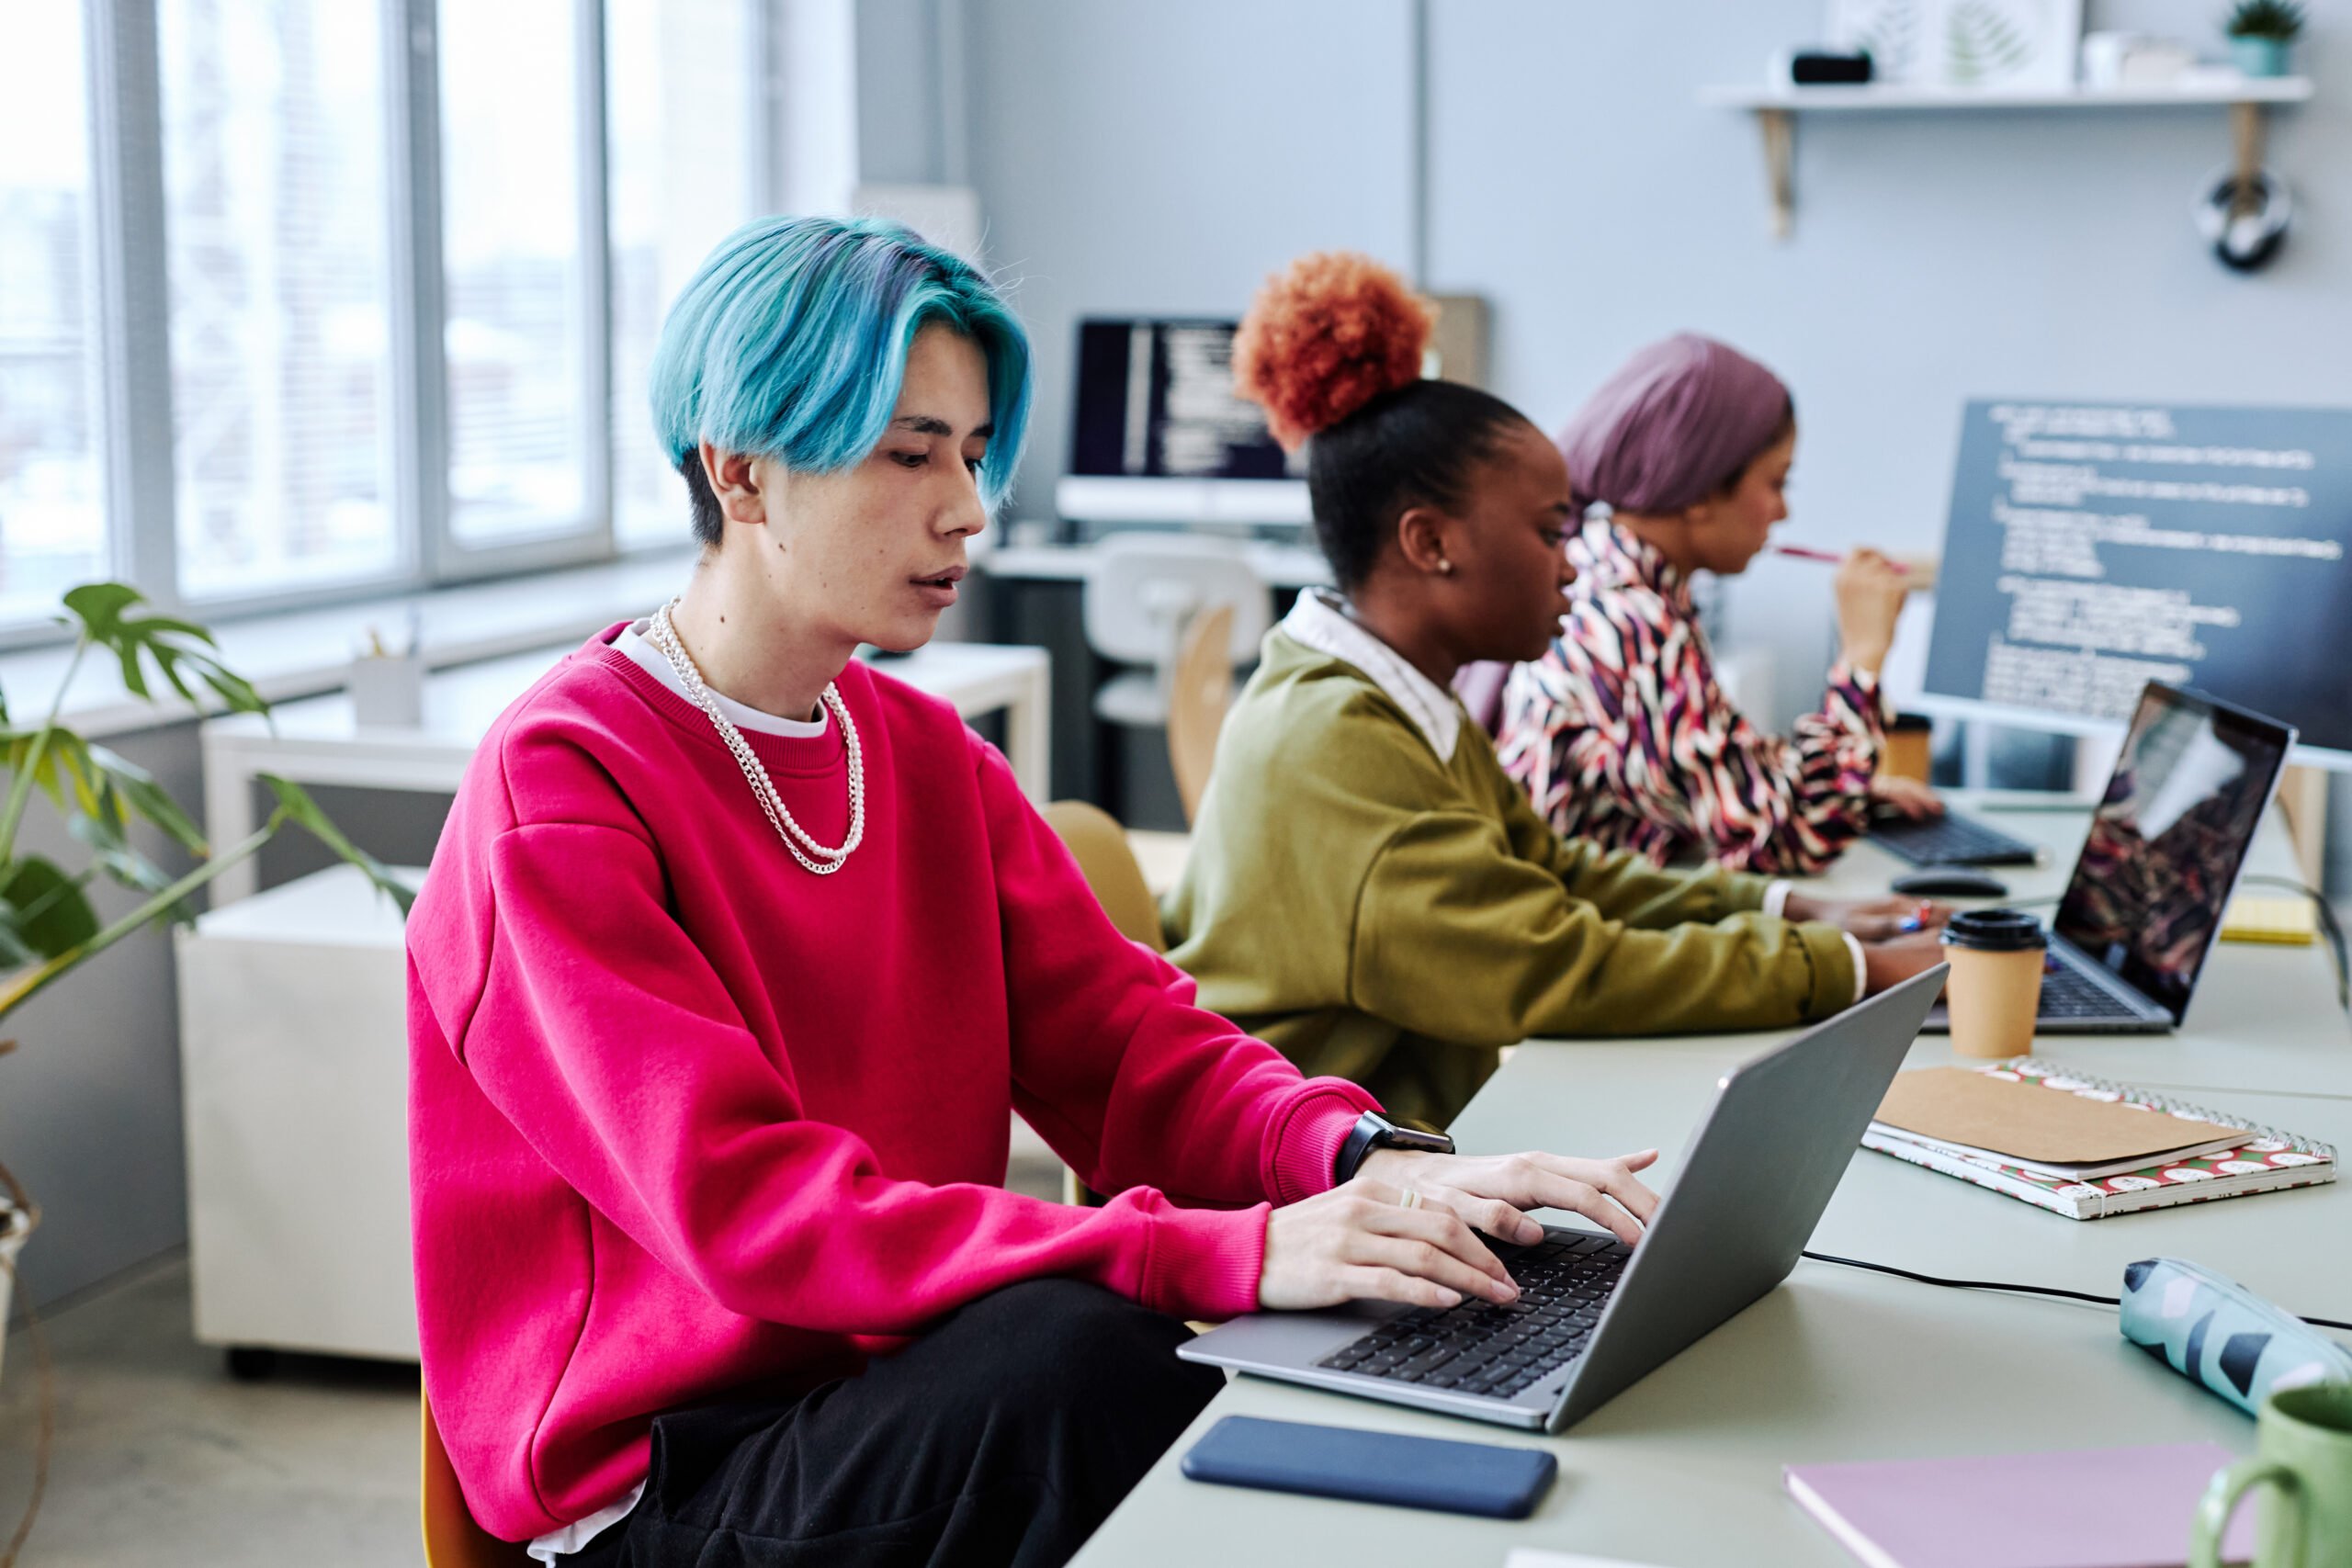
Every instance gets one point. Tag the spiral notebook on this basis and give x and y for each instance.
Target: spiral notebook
(2106, 1148)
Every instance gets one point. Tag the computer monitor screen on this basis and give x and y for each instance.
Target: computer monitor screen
(2092, 548)
(1156, 400)
(1159, 434)
(2167, 838)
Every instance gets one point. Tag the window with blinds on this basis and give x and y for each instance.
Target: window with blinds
(514, 334)
(274, 171)
(52, 502)
(680, 130)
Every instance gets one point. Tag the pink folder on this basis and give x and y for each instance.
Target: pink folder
(2080, 1508)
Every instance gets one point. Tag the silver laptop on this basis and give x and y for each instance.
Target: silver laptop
(1594, 1315)
(2166, 844)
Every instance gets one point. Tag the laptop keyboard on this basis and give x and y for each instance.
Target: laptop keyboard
(1949, 839)
(2067, 993)
(1479, 1348)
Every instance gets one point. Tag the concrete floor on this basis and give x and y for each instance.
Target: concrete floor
(162, 1460)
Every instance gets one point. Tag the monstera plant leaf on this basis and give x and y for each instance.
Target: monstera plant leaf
(295, 806)
(178, 650)
(43, 911)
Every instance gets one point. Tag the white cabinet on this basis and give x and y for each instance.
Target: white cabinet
(294, 1067)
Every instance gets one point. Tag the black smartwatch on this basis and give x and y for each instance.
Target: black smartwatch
(1374, 1131)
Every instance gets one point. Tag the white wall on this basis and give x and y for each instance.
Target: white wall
(1137, 158)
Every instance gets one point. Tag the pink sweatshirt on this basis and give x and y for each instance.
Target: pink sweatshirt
(687, 1122)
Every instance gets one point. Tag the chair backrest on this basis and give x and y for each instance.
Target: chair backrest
(1141, 589)
(452, 1539)
(1100, 846)
(1198, 694)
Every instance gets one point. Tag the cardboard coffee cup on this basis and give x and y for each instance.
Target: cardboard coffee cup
(1908, 753)
(1994, 988)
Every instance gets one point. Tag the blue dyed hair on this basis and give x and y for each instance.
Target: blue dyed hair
(791, 344)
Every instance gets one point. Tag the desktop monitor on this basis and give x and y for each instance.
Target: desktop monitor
(1160, 436)
(2092, 548)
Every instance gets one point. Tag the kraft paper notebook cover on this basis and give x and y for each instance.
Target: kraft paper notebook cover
(2243, 1159)
(2005, 1115)
(2081, 1509)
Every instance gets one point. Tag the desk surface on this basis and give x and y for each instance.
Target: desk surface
(1684, 1468)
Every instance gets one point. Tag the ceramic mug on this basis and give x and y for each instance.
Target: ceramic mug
(2303, 1451)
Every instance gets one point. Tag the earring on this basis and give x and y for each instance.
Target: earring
(1446, 567)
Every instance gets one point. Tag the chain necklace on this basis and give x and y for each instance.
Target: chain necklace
(821, 859)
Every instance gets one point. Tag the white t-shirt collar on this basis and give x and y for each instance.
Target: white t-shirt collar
(634, 642)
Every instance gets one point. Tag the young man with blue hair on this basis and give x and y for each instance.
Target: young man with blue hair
(736, 958)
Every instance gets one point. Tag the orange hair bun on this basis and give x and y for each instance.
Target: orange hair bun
(1327, 337)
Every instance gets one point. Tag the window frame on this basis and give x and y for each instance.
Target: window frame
(132, 299)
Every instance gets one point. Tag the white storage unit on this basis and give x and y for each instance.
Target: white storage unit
(294, 1074)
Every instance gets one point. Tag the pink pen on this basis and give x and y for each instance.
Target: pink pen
(1806, 552)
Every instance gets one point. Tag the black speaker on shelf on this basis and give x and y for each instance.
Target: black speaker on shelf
(1825, 68)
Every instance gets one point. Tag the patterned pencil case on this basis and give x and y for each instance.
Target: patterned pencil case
(2215, 1332)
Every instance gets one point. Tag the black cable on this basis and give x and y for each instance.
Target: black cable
(2328, 923)
(2004, 1285)
(1964, 1284)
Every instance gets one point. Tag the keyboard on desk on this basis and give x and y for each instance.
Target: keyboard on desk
(1949, 839)
(1480, 1348)
(2066, 992)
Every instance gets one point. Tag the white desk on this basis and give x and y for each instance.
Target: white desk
(1684, 1468)
(317, 741)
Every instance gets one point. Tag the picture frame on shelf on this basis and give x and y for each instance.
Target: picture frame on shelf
(1964, 45)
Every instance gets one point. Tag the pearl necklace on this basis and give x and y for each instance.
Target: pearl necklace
(822, 859)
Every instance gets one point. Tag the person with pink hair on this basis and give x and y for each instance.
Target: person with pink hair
(1620, 732)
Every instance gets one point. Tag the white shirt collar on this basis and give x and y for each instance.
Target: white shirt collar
(1321, 620)
(637, 642)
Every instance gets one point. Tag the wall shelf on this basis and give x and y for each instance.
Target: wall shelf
(1776, 107)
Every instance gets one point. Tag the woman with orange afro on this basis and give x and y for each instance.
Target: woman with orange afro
(1368, 890)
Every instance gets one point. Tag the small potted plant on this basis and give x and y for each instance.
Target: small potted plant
(2262, 32)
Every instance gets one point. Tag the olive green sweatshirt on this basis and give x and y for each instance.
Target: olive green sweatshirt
(1382, 913)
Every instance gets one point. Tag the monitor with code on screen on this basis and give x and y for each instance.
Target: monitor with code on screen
(2093, 547)
(1159, 434)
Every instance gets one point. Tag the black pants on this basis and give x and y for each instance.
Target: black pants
(1004, 1435)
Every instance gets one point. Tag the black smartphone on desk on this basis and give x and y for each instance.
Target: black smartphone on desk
(1493, 1480)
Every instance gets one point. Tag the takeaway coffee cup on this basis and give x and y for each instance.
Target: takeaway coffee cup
(1994, 988)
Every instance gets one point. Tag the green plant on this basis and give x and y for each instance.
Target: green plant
(47, 925)
(2279, 20)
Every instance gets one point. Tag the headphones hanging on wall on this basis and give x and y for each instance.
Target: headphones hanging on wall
(2246, 241)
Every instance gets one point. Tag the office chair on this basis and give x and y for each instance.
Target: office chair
(452, 1539)
(1200, 689)
(1142, 590)
(1100, 846)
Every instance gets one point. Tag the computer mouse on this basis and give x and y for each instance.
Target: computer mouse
(1949, 882)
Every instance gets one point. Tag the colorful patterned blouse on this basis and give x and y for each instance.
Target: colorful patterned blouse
(1620, 733)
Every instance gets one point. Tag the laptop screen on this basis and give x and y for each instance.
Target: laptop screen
(2167, 841)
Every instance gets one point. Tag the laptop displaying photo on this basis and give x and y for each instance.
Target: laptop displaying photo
(1594, 1315)
(2168, 841)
